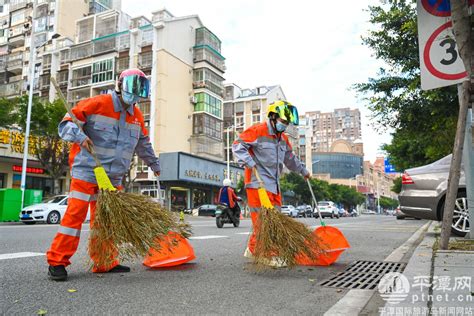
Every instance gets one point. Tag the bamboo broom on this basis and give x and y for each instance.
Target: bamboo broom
(126, 225)
(280, 239)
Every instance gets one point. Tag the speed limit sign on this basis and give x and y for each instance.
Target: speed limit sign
(440, 62)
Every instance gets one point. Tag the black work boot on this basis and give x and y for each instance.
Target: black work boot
(57, 273)
(119, 269)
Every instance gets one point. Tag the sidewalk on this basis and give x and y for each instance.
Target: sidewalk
(434, 282)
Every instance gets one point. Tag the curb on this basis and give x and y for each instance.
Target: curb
(420, 264)
(356, 300)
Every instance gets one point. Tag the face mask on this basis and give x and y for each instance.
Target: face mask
(129, 98)
(280, 127)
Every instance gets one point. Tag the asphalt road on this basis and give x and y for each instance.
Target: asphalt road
(219, 281)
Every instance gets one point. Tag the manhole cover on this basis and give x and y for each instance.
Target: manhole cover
(363, 274)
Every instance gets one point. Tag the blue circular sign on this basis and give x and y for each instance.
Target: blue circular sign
(437, 7)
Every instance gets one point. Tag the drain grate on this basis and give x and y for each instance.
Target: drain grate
(363, 274)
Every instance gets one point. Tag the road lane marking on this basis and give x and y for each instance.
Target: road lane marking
(208, 237)
(246, 233)
(20, 255)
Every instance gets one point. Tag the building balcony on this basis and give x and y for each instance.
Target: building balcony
(211, 86)
(11, 89)
(81, 51)
(80, 82)
(17, 41)
(16, 5)
(206, 37)
(15, 66)
(209, 55)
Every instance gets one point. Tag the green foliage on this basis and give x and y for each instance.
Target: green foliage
(241, 186)
(51, 151)
(45, 116)
(424, 122)
(397, 185)
(386, 202)
(7, 115)
(339, 194)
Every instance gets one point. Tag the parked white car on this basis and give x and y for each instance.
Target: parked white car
(327, 209)
(289, 210)
(50, 211)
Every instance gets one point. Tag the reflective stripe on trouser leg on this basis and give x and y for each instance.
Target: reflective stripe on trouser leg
(66, 241)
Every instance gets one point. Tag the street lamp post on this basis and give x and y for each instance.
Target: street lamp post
(32, 62)
(30, 102)
(228, 146)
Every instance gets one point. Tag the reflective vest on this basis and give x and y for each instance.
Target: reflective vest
(116, 133)
(260, 146)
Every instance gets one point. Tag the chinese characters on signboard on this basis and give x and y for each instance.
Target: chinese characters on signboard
(16, 140)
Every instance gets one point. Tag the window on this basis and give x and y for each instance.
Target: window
(17, 17)
(255, 118)
(207, 125)
(239, 119)
(146, 59)
(141, 166)
(209, 104)
(103, 71)
(81, 76)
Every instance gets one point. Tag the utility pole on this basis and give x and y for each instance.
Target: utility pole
(32, 62)
(462, 33)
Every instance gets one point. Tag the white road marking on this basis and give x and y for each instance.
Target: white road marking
(246, 233)
(208, 237)
(20, 255)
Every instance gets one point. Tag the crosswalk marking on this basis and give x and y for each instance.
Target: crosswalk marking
(208, 237)
(19, 255)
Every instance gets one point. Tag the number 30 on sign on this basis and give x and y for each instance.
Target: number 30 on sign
(440, 63)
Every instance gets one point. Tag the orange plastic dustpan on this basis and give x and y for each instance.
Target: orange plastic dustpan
(174, 250)
(331, 241)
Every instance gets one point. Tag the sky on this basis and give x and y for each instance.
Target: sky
(313, 49)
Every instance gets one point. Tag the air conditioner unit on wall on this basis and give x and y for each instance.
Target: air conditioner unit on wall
(192, 99)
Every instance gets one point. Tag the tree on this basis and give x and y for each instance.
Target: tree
(51, 151)
(397, 185)
(339, 194)
(424, 122)
(7, 113)
(386, 202)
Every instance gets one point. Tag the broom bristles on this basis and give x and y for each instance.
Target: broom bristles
(283, 237)
(127, 225)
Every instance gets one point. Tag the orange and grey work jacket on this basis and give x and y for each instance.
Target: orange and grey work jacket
(116, 133)
(259, 146)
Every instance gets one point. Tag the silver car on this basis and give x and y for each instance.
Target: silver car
(424, 191)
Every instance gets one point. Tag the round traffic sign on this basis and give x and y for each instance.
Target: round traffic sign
(448, 45)
(437, 7)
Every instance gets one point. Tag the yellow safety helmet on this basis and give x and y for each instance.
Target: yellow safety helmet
(285, 110)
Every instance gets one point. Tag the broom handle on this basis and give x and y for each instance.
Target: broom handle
(315, 203)
(73, 117)
(257, 175)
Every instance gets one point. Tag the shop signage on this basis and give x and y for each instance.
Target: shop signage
(16, 141)
(28, 170)
(196, 169)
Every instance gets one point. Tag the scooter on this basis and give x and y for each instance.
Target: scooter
(225, 215)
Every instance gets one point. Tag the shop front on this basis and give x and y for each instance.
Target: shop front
(188, 181)
(11, 165)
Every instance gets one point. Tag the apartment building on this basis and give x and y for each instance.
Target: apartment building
(246, 107)
(328, 127)
(51, 19)
(179, 54)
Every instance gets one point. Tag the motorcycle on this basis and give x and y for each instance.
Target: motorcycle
(226, 215)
